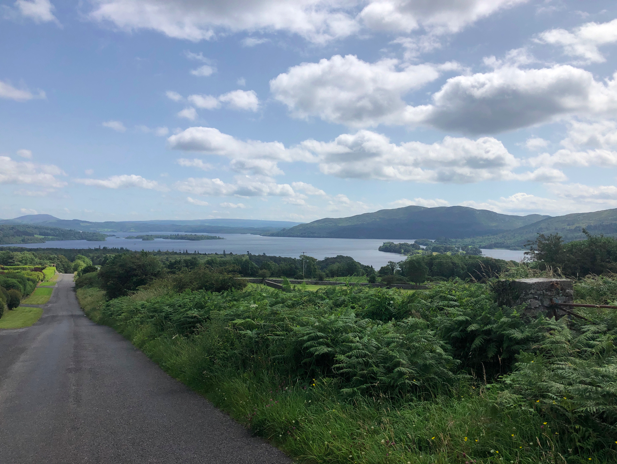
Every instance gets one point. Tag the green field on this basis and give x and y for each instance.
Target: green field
(47, 284)
(50, 273)
(20, 318)
(40, 296)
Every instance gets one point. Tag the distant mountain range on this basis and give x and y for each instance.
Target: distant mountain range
(220, 226)
(453, 222)
(467, 226)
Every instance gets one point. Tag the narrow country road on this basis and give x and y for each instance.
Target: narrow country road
(72, 391)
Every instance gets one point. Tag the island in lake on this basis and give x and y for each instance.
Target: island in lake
(192, 237)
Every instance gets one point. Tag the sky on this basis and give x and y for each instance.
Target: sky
(305, 109)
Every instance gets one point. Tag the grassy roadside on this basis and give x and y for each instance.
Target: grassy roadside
(47, 284)
(314, 423)
(40, 296)
(20, 317)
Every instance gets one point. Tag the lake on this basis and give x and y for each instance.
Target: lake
(364, 251)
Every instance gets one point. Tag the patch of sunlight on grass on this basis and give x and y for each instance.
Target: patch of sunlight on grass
(20, 317)
(40, 296)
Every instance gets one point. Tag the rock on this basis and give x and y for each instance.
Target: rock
(536, 295)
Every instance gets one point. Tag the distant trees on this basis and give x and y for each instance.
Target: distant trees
(595, 255)
(126, 272)
(415, 270)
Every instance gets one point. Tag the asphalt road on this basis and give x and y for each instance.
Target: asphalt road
(72, 391)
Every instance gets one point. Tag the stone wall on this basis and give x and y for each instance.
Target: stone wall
(537, 295)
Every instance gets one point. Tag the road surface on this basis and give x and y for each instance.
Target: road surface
(72, 391)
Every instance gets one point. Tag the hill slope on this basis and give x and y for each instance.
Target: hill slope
(35, 233)
(414, 222)
(221, 226)
(569, 227)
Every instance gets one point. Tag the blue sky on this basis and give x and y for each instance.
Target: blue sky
(150, 109)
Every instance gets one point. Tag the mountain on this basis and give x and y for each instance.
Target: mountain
(36, 233)
(221, 226)
(414, 222)
(570, 227)
(32, 219)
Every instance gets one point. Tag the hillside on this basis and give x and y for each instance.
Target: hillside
(220, 226)
(569, 227)
(34, 233)
(414, 222)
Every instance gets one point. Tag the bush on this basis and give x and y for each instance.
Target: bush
(204, 279)
(87, 270)
(127, 272)
(415, 270)
(89, 280)
(14, 299)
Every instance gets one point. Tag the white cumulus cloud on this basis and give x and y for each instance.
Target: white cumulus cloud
(115, 125)
(8, 92)
(241, 100)
(196, 202)
(39, 11)
(122, 181)
(233, 205)
(347, 90)
(26, 172)
(204, 71)
(194, 163)
(189, 113)
(584, 41)
(25, 153)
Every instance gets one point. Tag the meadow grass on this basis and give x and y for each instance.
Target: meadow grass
(315, 422)
(40, 296)
(20, 318)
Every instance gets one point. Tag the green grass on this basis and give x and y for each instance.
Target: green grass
(20, 318)
(47, 284)
(50, 273)
(40, 296)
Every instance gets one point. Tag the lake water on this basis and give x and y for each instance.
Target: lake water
(364, 251)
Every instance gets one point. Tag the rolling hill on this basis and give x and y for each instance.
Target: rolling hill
(411, 222)
(569, 227)
(221, 226)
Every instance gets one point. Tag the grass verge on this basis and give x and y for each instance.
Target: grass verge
(47, 284)
(40, 296)
(20, 318)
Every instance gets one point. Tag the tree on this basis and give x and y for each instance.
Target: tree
(547, 249)
(127, 272)
(14, 299)
(415, 270)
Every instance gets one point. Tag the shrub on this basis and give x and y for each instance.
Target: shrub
(87, 270)
(204, 279)
(14, 299)
(127, 272)
(89, 280)
(415, 270)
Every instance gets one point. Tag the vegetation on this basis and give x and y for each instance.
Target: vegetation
(413, 222)
(20, 318)
(443, 267)
(438, 246)
(40, 234)
(595, 255)
(191, 237)
(40, 296)
(355, 374)
(215, 226)
(14, 299)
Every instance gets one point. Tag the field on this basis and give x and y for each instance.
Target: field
(20, 318)
(40, 296)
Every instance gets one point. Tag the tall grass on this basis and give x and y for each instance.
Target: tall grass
(347, 375)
